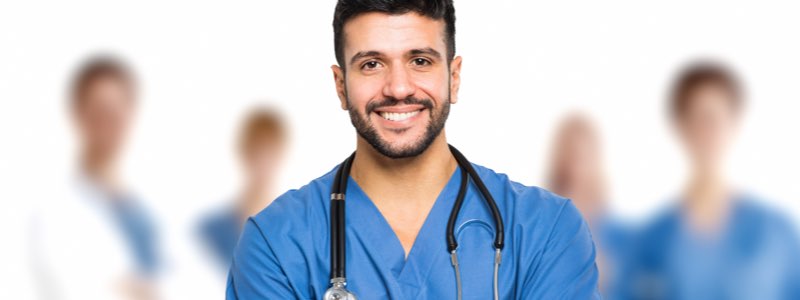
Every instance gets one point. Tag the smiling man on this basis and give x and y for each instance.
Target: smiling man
(422, 222)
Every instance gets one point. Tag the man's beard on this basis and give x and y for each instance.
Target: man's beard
(367, 131)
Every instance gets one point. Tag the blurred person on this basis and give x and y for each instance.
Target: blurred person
(96, 240)
(717, 242)
(261, 147)
(420, 220)
(577, 172)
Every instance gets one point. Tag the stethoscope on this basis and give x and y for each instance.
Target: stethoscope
(337, 289)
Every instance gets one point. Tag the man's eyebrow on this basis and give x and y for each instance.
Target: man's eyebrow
(429, 51)
(363, 54)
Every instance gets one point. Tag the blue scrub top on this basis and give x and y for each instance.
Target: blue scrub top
(755, 256)
(219, 231)
(284, 250)
(614, 239)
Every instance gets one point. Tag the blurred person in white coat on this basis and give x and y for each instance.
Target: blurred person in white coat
(94, 239)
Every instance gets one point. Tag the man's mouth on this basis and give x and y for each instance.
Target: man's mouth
(398, 116)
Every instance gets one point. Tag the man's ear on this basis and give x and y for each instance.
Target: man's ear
(455, 78)
(338, 78)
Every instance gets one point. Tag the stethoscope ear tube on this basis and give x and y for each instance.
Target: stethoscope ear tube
(337, 226)
(452, 243)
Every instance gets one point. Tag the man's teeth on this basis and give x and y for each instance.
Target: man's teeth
(398, 116)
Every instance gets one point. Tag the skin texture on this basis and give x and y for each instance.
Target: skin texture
(399, 57)
(706, 128)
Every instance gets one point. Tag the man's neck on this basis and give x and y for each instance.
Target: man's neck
(412, 181)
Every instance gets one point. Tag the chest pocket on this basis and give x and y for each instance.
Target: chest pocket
(476, 258)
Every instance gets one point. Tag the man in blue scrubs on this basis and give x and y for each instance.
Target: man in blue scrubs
(397, 76)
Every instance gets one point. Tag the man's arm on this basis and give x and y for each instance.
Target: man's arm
(255, 271)
(566, 268)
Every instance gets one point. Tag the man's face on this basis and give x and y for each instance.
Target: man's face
(396, 82)
(104, 115)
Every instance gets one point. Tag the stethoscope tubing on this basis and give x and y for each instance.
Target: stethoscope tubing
(337, 222)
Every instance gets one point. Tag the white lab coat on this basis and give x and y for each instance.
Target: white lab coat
(77, 248)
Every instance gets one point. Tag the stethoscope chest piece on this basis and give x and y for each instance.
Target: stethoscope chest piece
(337, 291)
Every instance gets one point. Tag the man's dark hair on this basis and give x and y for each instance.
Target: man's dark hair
(434, 9)
(95, 68)
(704, 74)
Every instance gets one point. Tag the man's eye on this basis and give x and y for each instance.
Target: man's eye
(370, 65)
(421, 61)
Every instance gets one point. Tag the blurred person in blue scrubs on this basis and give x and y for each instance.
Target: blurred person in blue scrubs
(717, 242)
(578, 173)
(261, 147)
(397, 77)
(97, 241)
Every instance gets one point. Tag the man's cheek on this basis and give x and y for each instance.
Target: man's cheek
(358, 104)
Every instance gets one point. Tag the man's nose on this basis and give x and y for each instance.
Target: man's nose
(399, 84)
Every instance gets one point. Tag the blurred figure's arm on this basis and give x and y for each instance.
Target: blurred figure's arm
(255, 271)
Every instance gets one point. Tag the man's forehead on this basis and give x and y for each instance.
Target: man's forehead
(376, 31)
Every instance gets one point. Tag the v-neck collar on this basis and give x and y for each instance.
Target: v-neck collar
(374, 231)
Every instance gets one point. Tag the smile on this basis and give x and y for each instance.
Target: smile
(398, 116)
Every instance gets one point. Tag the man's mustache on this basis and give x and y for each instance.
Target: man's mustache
(387, 102)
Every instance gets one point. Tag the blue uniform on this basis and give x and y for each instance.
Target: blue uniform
(220, 231)
(755, 256)
(614, 240)
(284, 250)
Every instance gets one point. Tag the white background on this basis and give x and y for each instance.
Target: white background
(526, 63)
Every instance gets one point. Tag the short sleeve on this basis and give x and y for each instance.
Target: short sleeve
(255, 271)
(566, 268)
